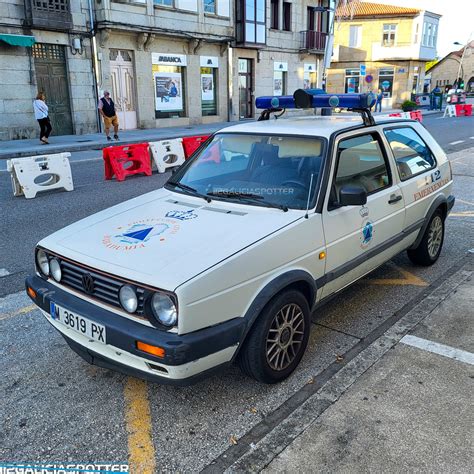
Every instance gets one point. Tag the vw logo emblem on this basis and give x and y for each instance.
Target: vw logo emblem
(88, 283)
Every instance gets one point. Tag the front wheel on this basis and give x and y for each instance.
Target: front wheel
(430, 246)
(278, 339)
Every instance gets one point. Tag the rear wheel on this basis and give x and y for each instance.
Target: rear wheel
(430, 246)
(278, 339)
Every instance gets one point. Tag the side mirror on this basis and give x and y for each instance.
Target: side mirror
(352, 196)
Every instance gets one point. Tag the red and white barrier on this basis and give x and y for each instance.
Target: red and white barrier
(167, 153)
(126, 160)
(34, 174)
(191, 144)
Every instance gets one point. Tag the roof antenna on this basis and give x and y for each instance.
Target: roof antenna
(309, 195)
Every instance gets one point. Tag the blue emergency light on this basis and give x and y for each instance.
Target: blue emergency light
(302, 99)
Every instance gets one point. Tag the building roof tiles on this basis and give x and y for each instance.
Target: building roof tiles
(366, 9)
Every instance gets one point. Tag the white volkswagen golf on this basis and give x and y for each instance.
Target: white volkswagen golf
(227, 262)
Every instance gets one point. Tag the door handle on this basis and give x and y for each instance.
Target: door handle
(394, 198)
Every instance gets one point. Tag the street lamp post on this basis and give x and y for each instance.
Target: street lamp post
(460, 69)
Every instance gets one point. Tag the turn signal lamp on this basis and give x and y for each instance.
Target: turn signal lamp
(31, 292)
(148, 348)
(302, 99)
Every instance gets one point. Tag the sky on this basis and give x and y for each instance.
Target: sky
(456, 23)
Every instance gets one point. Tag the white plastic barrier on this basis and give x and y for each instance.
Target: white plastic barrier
(450, 110)
(34, 174)
(167, 153)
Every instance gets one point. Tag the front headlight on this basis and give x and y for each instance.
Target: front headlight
(164, 309)
(128, 298)
(55, 269)
(43, 262)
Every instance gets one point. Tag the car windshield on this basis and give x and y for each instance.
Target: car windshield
(262, 170)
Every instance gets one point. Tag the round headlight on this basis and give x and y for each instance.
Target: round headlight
(55, 269)
(43, 262)
(128, 298)
(164, 309)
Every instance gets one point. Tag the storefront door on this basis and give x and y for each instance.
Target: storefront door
(52, 79)
(245, 88)
(123, 87)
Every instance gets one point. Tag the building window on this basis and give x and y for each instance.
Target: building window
(355, 36)
(250, 20)
(352, 80)
(389, 30)
(274, 14)
(414, 88)
(208, 91)
(209, 6)
(286, 16)
(433, 36)
(386, 81)
(53, 6)
(169, 91)
(309, 76)
(279, 82)
(164, 3)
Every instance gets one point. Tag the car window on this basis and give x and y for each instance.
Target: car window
(410, 152)
(360, 162)
(281, 170)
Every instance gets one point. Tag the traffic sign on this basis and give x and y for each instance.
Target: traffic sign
(362, 69)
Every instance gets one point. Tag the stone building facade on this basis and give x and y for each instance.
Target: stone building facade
(218, 55)
(165, 62)
(382, 47)
(444, 73)
(45, 46)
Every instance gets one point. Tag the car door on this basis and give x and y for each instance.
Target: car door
(420, 176)
(359, 238)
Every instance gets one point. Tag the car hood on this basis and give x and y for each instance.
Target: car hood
(164, 238)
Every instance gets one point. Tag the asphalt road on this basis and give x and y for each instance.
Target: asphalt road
(55, 407)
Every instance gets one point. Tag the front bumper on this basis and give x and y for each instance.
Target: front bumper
(187, 357)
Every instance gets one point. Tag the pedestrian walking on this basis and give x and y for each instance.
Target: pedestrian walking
(42, 115)
(378, 103)
(107, 110)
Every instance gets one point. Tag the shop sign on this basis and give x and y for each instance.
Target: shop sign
(209, 61)
(279, 66)
(169, 59)
(309, 67)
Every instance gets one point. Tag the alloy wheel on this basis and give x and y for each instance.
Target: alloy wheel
(285, 336)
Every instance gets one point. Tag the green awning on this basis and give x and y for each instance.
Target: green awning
(18, 40)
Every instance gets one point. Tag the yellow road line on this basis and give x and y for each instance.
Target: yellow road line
(25, 309)
(141, 451)
(409, 279)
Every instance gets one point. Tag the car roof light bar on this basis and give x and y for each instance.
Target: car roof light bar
(306, 99)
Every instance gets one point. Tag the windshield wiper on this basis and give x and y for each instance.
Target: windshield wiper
(249, 197)
(189, 189)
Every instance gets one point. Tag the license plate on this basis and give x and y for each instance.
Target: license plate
(78, 323)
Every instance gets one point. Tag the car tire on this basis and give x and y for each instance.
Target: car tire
(278, 339)
(430, 246)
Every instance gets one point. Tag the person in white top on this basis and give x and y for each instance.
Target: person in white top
(42, 115)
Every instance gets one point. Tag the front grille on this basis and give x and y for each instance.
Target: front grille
(106, 289)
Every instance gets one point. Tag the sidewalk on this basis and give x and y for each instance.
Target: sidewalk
(96, 141)
(403, 405)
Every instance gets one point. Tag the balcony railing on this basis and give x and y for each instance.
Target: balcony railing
(54, 14)
(313, 40)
